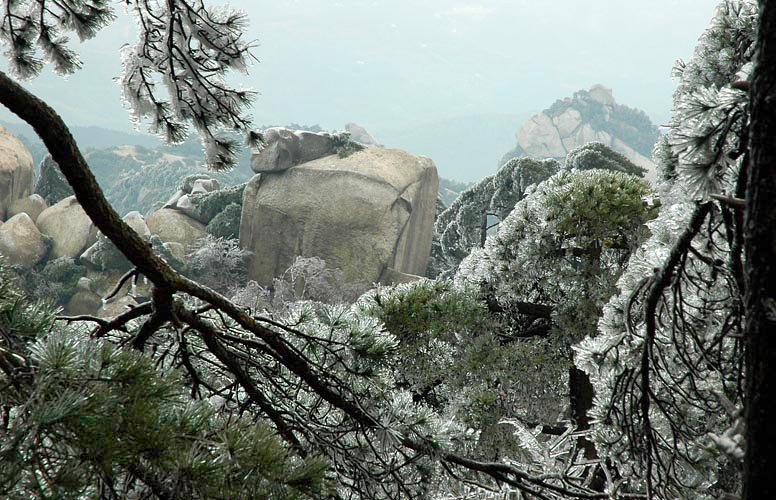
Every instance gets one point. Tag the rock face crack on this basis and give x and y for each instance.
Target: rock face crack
(560, 136)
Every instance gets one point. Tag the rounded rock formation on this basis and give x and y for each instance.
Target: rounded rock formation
(69, 227)
(20, 241)
(32, 205)
(17, 176)
(174, 226)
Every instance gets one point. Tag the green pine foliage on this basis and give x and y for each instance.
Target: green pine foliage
(454, 356)
(84, 418)
(209, 205)
(226, 224)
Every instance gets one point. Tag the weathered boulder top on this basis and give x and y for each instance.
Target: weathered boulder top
(12, 151)
(284, 148)
(370, 214)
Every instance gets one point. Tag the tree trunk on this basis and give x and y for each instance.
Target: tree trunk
(581, 395)
(760, 251)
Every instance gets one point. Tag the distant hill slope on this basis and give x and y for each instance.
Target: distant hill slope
(136, 171)
(449, 190)
(90, 137)
(464, 148)
(587, 116)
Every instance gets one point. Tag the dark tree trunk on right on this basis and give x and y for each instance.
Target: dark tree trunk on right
(760, 250)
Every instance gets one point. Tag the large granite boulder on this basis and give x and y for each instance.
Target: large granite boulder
(20, 241)
(17, 176)
(174, 226)
(370, 214)
(71, 230)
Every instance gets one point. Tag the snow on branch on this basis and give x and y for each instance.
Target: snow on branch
(173, 76)
(187, 48)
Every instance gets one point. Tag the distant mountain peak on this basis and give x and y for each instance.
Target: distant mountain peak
(588, 116)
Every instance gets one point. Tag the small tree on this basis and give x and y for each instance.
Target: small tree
(668, 361)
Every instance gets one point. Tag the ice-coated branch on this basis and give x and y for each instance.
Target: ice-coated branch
(173, 77)
(186, 48)
(33, 32)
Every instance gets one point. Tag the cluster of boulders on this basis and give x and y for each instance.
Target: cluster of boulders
(367, 211)
(35, 232)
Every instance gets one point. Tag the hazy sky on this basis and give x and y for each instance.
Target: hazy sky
(384, 63)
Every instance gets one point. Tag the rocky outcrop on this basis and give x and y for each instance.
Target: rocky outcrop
(174, 226)
(193, 194)
(284, 148)
(20, 241)
(70, 229)
(370, 214)
(32, 205)
(17, 176)
(589, 116)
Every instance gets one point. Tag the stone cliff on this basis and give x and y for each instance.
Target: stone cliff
(588, 116)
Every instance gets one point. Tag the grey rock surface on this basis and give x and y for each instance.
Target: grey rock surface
(362, 214)
(32, 205)
(174, 226)
(17, 176)
(20, 241)
(69, 227)
(284, 148)
(204, 186)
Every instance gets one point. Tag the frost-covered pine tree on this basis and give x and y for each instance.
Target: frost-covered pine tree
(667, 362)
(173, 76)
(547, 273)
(465, 224)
